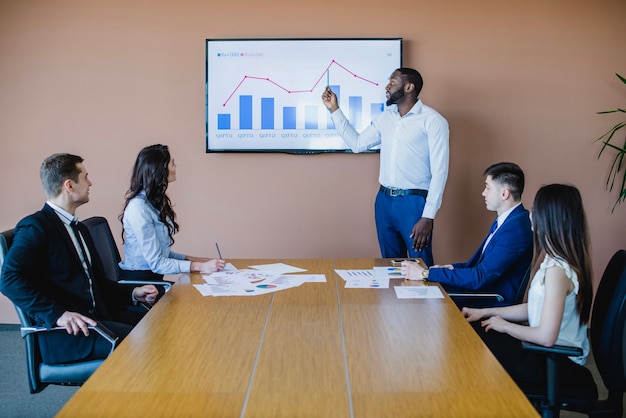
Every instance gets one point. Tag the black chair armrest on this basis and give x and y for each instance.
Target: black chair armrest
(561, 350)
(163, 283)
(99, 328)
(495, 296)
(109, 335)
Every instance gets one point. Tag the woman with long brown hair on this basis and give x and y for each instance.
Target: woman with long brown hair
(150, 221)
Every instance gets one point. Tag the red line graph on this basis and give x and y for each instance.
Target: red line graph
(269, 80)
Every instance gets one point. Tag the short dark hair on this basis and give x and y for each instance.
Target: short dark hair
(509, 175)
(412, 76)
(56, 169)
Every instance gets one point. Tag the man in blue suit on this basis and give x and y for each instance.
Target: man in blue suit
(504, 256)
(53, 273)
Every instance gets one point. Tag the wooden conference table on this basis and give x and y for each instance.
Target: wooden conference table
(317, 350)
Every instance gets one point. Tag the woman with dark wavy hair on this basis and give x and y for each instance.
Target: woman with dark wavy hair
(559, 296)
(149, 221)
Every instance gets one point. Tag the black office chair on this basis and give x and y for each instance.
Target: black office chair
(41, 374)
(110, 256)
(578, 392)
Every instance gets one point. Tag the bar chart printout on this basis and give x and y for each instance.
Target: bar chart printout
(266, 94)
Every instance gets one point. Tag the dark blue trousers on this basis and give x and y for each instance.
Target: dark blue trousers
(395, 217)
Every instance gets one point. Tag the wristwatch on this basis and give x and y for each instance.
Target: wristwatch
(425, 274)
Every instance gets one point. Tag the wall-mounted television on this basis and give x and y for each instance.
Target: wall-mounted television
(264, 95)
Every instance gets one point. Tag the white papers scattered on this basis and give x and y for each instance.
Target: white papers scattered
(418, 292)
(248, 283)
(278, 268)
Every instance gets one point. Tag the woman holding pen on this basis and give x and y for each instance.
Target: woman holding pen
(149, 222)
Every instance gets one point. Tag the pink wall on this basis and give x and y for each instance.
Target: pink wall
(518, 81)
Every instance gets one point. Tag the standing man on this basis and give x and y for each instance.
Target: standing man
(414, 154)
(53, 273)
(503, 258)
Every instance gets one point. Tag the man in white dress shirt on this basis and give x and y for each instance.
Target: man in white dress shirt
(414, 156)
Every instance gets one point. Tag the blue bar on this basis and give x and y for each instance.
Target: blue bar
(267, 113)
(355, 110)
(376, 109)
(337, 91)
(289, 117)
(245, 112)
(310, 117)
(223, 121)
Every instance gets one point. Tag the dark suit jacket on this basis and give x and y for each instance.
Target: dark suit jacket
(43, 275)
(501, 267)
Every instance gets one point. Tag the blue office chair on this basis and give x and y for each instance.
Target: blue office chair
(41, 374)
(578, 391)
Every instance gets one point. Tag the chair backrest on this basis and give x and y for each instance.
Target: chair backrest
(105, 245)
(33, 356)
(6, 239)
(523, 287)
(608, 321)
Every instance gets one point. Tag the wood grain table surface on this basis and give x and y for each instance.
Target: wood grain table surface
(317, 350)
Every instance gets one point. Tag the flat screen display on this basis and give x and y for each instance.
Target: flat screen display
(264, 95)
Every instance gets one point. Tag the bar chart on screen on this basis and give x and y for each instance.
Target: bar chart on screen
(266, 94)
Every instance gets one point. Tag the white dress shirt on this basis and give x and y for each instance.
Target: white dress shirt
(414, 149)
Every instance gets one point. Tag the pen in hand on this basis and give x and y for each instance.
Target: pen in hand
(219, 254)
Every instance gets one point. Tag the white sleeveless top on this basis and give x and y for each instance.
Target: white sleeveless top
(571, 332)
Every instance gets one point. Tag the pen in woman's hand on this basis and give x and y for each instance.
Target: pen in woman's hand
(219, 254)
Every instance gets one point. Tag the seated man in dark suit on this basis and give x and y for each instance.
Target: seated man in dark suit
(503, 258)
(53, 273)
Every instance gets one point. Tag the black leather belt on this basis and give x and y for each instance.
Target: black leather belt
(403, 192)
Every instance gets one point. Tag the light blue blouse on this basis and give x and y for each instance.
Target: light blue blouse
(147, 244)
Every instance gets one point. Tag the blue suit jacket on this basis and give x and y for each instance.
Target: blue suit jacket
(43, 275)
(501, 267)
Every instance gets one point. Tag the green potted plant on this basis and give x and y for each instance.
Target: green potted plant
(617, 173)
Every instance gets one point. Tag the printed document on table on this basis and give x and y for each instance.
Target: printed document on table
(247, 283)
(313, 278)
(356, 274)
(418, 292)
(388, 272)
(371, 283)
(363, 279)
(216, 290)
(238, 277)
